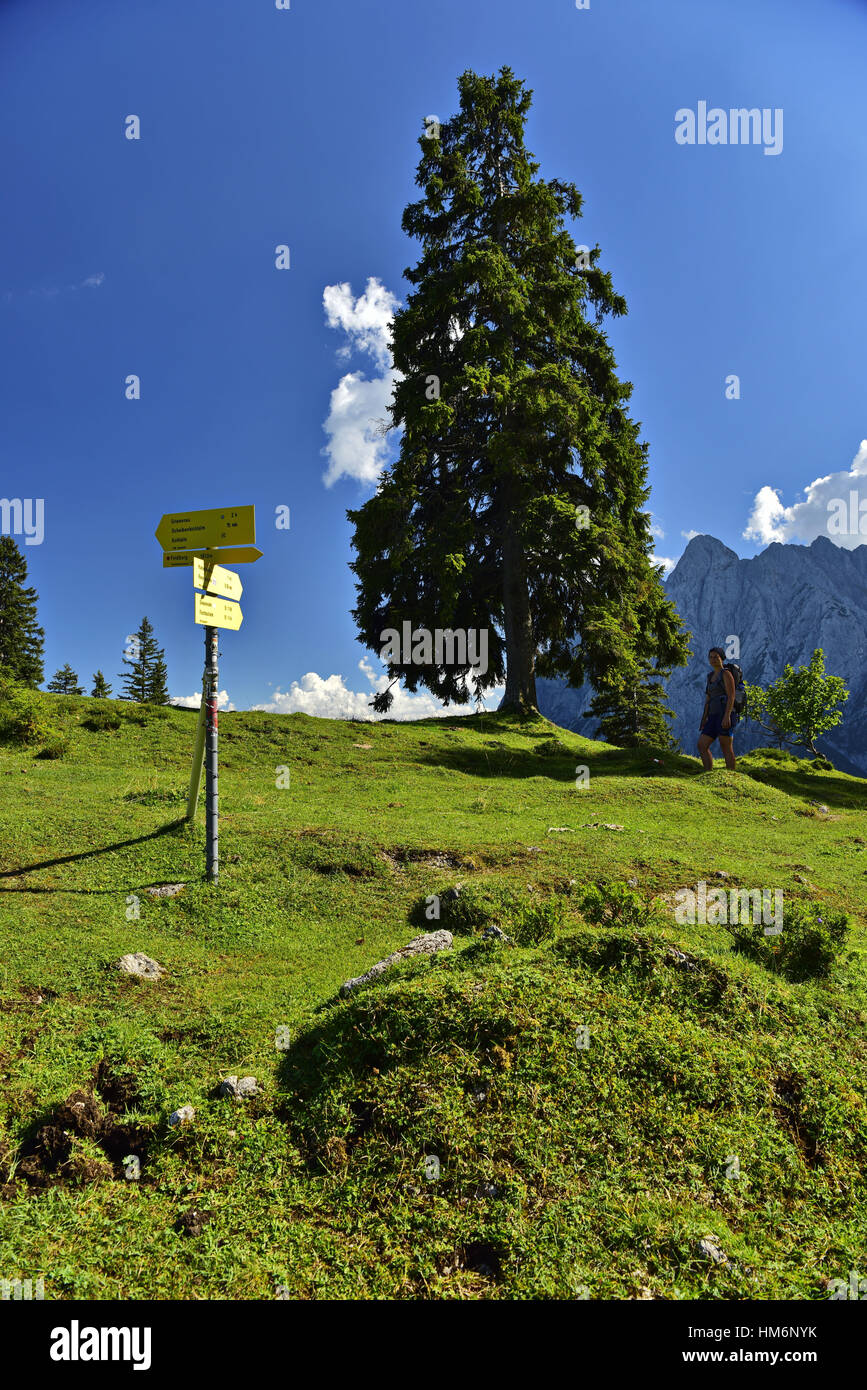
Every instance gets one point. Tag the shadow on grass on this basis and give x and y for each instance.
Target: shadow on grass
(167, 829)
(560, 767)
(809, 786)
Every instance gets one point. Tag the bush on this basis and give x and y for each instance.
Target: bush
(103, 721)
(553, 748)
(811, 941)
(534, 923)
(23, 715)
(54, 747)
(461, 911)
(607, 904)
(821, 765)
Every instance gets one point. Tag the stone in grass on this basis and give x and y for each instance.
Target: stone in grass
(232, 1086)
(183, 1116)
(165, 890)
(709, 1247)
(141, 965)
(419, 946)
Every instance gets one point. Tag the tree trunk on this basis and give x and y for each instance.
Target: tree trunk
(520, 693)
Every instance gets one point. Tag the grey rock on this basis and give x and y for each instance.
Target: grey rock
(419, 946)
(494, 933)
(184, 1115)
(165, 890)
(140, 964)
(709, 1247)
(232, 1086)
(681, 958)
(781, 605)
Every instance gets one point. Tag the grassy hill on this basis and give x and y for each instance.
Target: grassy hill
(716, 1096)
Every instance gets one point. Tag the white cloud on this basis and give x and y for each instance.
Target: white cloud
(366, 321)
(356, 447)
(193, 701)
(52, 291)
(330, 698)
(690, 535)
(770, 520)
(667, 565)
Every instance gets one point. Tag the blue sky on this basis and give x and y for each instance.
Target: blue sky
(263, 127)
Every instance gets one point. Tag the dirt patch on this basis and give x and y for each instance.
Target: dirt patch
(52, 1154)
(32, 995)
(193, 1222)
(788, 1108)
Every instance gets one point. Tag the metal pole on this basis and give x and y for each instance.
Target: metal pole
(212, 799)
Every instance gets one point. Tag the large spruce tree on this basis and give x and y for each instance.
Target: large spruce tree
(516, 504)
(21, 637)
(145, 678)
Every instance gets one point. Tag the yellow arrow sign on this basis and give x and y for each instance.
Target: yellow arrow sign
(215, 580)
(196, 530)
(218, 612)
(240, 555)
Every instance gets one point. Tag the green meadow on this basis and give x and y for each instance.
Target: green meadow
(608, 1094)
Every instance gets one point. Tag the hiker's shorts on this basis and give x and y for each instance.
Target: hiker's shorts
(712, 726)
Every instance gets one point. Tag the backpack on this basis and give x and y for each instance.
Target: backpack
(740, 705)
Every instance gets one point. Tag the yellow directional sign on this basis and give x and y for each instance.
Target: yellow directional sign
(199, 530)
(231, 555)
(215, 580)
(218, 612)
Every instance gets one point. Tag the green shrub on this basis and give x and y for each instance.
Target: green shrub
(24, 717)
(607, 904)
(56, 746)
(461, 910)
(553, 748)
(820, 765)
(811, 941)
(102, 721)
(534, 923)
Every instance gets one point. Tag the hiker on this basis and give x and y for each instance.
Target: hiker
(720, 714)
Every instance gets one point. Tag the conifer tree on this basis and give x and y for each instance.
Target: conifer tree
(516, 505)
(145, 680)
(65, 682)
(632, 716)
(158, 693)
(101, 688)
(21, 637)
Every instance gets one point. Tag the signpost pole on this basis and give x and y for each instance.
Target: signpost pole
(212, 799)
